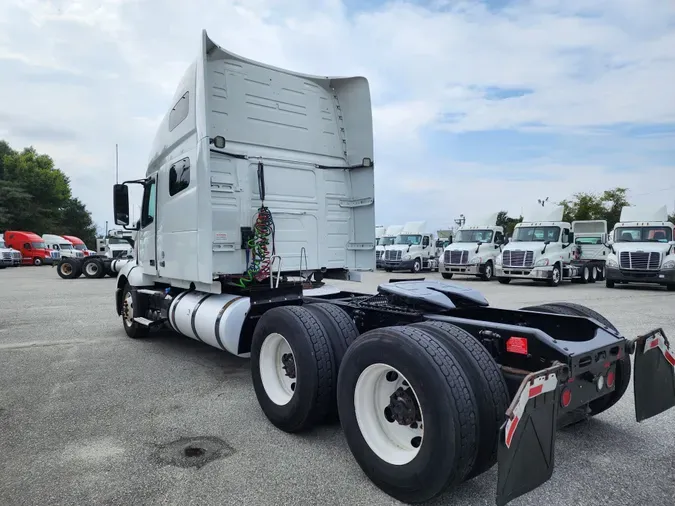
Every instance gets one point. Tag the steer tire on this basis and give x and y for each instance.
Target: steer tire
(313, 393)
(133, 329)
(92, 268)
(446, 275)
(449, 412)
(68, 268)
(623, 364)
(488, 383)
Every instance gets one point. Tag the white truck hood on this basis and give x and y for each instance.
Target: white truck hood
(647, 247)
(535, 246)
(398, 247)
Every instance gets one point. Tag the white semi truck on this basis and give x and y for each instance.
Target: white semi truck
(543, 248)
(62, 245)
(474, 249)
(259, 175)
(112, 253)
(642, 248)
(413, 249)
(9, 257)
(384, 242)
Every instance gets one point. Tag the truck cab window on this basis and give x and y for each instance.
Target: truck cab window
(566, 236)
(425, 241)
(179, 176)
(149, 203)
(499, 238)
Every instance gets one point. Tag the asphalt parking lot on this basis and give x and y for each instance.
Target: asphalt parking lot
(87, 416)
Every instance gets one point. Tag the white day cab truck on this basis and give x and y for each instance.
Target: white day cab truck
(113, 252)
(642, 249)
(474, 249)
(413, 250)
(260, 186)
(544, 249)
(385, 241)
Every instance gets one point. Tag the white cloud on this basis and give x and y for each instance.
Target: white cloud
(103, 71)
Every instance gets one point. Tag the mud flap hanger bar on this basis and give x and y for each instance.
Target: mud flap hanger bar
(527, 438)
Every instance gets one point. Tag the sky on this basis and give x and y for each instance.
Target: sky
(478, 106)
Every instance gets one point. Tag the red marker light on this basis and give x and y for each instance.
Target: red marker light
(517, 345)
(611, 377)
(566, 397)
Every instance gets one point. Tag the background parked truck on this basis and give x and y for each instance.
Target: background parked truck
(413, 249)
(543, 249)
(62, 245)
(9, 257)
(474, 250)
(386, 240)
(33, 249)
(642, 248)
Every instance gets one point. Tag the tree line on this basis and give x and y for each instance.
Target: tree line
(583, 206)
(35, 196)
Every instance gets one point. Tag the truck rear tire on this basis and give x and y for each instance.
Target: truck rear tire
(408, 412)
(293, 368)
(623, 365)
(67, 268)
(488, 383)
(93, 268)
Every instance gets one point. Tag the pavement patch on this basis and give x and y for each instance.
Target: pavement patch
(191, 451)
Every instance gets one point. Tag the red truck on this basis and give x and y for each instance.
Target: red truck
(33, 249)
(79, 245)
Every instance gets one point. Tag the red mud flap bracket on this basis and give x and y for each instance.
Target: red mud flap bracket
(654, 375)
(527, 439)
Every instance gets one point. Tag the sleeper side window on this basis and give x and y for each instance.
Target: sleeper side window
(179, 111)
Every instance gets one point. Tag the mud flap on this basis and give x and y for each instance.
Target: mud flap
(527, 439)
(654, 375)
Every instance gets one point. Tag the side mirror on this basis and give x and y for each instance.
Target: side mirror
(121, 204)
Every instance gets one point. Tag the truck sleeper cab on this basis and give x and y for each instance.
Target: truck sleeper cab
(62, 245)
(424, 363)
(643, 249)
(79, 245)
(33, 249)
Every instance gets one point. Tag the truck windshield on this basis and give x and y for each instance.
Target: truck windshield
(386, 241)
(80, 247)
(66, 246)
(442, 243)
(474, 236)
(412, 240)
(116, 240)
(643, 234)
(2, 243)
(536, 234)
(38, 245)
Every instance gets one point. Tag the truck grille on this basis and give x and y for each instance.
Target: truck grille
(7, 255)
(518, 258)
(16, 255)
(79, 254)
(640, 260)
(456, 257)
(55, 254)
(392, 255)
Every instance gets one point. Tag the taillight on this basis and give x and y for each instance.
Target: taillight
(566, 397)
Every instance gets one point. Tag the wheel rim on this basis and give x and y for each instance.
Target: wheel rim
(37, 261)
(488, 271)
(417, 266)
(388, 413)
(278, 370)
(556, 275)
(587, 274)
(128, 310)
(66, 269)
(92, 269)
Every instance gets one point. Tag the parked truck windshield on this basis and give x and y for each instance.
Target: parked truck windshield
(38, 245)
(386, 241)
(412, 240)
(80, 247)
(536, 234)
(643, 234)
(474, 236)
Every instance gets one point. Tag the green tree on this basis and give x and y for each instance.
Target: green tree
(590, 206)
(671, 218)
(36, 196)
(504, 220)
